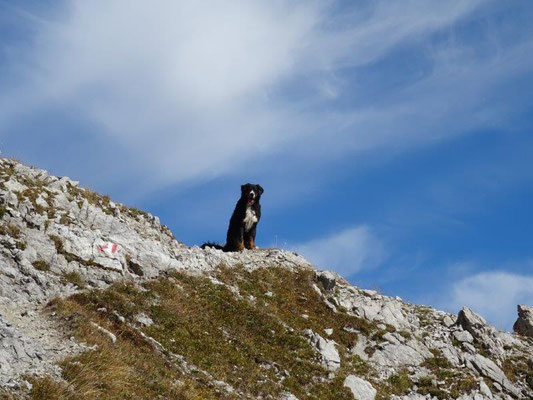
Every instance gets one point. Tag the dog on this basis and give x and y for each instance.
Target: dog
(243, 223)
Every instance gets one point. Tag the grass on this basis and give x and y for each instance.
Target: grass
(516, 368)
(64, 219)
(247, 344)
(5, 394)
(424, 315)
(35, 189)
(359, 366)
(127, 369)
(74, 278)
(230, 338)
(405, 334)
(294, 297)
(10, 230)
(399, 383)
(378, 335)
(427, 386)
(93, 198)
(437, 362)
(41, 265)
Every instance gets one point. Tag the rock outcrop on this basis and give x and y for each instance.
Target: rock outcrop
(524, 323)
(85, 280)
(327, 350)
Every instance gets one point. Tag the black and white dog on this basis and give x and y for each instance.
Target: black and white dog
(243, 223)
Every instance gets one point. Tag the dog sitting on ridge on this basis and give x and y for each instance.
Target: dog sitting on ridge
(243, 223)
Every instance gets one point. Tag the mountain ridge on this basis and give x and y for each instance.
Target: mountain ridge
(83, 278)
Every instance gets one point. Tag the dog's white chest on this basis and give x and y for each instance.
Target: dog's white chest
(249, 219)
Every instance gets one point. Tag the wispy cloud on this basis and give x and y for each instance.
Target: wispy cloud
(190, 90)
(493, 294)
(346, 252)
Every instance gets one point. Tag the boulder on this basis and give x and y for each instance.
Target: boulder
(396, 355)
(482, 332)
(463, 336)
(330, 356)
(327, 279)
(472, 322)
(361, 389)
(524, 323)
(489, 369)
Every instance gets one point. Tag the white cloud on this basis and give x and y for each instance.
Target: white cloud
(197, 89)
(346, 252)
(494, 295)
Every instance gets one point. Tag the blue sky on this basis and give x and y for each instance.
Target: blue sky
(393, 139)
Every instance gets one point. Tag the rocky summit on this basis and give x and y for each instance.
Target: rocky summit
(100, 301)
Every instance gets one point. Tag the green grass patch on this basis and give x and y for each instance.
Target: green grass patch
(75, 278)
(405, 334)
(41, 265)
(437, 362)
(10, 230)
(247, 344)
(128, 369)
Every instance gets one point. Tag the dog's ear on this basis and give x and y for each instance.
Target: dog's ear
(261, 190)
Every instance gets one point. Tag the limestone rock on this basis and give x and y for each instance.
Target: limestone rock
(288, 396)
(484, 389)
(110, 335)
(327, 279)
(397, 355)
(472, 322)
(482, 332)
(463, 336)
(524, 323)
(330, 356)
(361, 389)
(374, 307)
(144, 320)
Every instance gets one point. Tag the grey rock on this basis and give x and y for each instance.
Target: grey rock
(472, 322)
(482, 332)
(448, 321)
(463, 336)
(450, 353)
(327, 349)
(361, 389)
(288, 396)
(360, 346)
(327, 279)
(143, 319)
(110, 335)
(489, 369)
(484, 389)
(397, 355)
(524, 323)
(376, 308)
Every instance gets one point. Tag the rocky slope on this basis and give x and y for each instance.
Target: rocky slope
(98, 300)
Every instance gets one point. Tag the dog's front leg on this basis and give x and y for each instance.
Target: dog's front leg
(240, 243)
(250, 238)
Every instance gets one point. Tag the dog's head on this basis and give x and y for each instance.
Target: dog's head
(251, 193)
